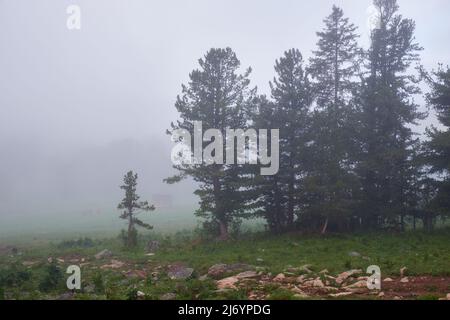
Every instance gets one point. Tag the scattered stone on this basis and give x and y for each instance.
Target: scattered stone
(397, 298)
(301, 279)
(29, 264)
(168, 296)
(152, 246)
(354, 254)
(357, 285)
(279, 277)
(404, 280)
(448, 296)
(317, 283)
(330, 289)
(347, 274)
(104, 254)
(227, 283)
(306, 268)
(299, 294)
(50, 260)
(403, 271)
(388, 280)
(203, 277)
(60, 261)
(260, 260)
(381, 294)
(247, 274)
(140, 294)
(341, 294)
(219, 270)
(179, 272)
(115, 264)
(149, 254)
(325, 271)
(136, 274)
(66, 296)
(297, 290)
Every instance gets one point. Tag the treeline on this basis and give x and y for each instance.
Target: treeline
(349, 159)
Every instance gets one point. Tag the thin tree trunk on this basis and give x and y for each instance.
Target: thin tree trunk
(325, 226)
(130, 230)
(220, 214)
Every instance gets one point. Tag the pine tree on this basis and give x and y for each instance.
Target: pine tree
(335, 64)
(219, 97)
(132, 206)
(334, 67)
(289, 112)
(268, 191)
(437, 149)
(387, 113)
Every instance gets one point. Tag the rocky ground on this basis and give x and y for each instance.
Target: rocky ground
(296, 282)
(414, 267)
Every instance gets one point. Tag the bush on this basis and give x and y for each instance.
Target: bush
(132, 294)
(13, 276)
(133, 238)
(80, 243)
(210, 229)
(98, 282)
(52, 280)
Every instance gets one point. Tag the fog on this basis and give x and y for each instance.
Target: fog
(80, 108)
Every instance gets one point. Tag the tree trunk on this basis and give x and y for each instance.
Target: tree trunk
(290, 211)
(325, 226)
(220, 214)
(130, 231)
(224, 236)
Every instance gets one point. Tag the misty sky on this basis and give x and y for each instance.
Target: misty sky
(80, 108)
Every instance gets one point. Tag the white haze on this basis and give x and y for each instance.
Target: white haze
(80, 108)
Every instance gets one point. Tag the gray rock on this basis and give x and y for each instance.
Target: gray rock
(168, 296)
(354, 254)
(66, 296)
(203, 277)
(179, 272)
(104, 254)
(247, 275)
(220, 270)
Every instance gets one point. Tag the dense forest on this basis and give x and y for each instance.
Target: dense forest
(350, 159)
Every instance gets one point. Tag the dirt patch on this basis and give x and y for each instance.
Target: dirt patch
(417, 287)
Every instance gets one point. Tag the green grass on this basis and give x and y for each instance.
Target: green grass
(421, 253)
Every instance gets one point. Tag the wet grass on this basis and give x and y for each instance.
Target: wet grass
(421, 253)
